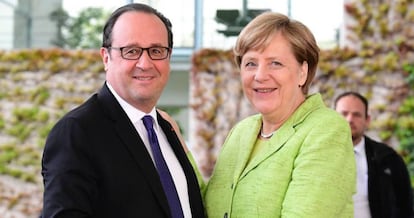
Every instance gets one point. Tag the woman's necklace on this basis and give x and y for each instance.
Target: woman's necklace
(266, 136)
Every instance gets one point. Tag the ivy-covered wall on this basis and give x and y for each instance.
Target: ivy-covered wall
(36, 88)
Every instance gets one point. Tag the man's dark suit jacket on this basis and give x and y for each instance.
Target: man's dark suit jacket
(389, 187)
(96, 165)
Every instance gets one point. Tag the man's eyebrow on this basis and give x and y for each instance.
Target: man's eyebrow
(151, 45)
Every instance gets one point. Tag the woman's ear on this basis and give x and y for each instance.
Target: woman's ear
(303, 74)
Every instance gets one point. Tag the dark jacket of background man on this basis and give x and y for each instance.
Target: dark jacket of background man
(388, 186)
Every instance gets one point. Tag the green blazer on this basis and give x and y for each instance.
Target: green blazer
(307, 170)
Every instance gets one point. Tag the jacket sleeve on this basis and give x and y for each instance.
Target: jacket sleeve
(200, 178)
(402, 186)
(68, 179)
(324, 174)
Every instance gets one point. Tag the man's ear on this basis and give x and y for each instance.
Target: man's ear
(105, 56)
(368, 121)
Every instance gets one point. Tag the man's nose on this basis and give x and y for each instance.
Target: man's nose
(349, 118)
(144, 61)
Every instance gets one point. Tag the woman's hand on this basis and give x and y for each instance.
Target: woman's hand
(175, 126)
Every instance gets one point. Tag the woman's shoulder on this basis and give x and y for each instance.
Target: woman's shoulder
(249, 121)
(247, 126)
(327, 113)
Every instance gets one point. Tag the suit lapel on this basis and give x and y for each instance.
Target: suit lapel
(192, 182)
(133, 142)
(172, 139)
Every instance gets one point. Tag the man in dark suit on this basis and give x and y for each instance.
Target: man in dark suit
(97, 161)
(383, 183)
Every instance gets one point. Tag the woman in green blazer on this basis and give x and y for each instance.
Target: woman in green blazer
(295, 158)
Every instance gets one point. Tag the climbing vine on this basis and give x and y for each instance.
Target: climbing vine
(405, 124)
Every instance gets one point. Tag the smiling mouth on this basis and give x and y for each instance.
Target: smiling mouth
(144, 78)
(264, 90)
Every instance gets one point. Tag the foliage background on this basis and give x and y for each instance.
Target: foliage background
(38, 86)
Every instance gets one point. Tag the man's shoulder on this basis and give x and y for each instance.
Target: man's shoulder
(85, 107)
(87, 112)
(381, 149)
(373, 142)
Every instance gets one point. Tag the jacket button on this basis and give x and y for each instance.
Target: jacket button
(225, 215)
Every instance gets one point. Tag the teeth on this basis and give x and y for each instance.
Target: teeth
(264, 90)
(143, 78)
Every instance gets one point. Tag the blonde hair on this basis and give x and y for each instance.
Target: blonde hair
(260, 31)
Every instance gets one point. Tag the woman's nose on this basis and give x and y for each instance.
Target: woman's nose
(260, 74)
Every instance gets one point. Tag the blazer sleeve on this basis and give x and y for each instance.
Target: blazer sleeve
(324, 174)
(200, 178)
(69, 180)
(402, 186)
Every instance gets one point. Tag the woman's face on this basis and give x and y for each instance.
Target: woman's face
(271, 78)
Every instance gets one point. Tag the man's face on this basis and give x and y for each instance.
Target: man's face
(353, 109)
(139, 82)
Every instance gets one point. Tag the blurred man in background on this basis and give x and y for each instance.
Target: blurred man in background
(383, 183)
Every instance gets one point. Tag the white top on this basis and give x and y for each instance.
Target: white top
(361, 203)
(174, 165)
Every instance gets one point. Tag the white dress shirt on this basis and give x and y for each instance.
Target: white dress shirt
(174, 166)
(361, 203)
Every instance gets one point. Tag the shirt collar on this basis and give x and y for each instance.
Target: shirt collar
(133, 114)
(360, 147)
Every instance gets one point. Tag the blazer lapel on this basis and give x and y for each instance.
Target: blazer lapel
(133, 142)
(275, 144)
(192, 182)
(286, 131)
(246, 141)
(172, 139)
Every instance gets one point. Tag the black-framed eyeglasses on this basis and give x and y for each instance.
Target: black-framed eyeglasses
(135, 52)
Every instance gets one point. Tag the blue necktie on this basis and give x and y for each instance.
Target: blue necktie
(163, 171)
